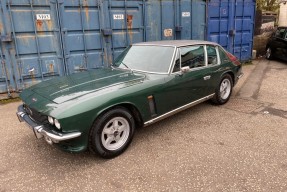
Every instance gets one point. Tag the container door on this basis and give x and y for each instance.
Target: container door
(126, 25)
(34, 51)
(81, 34)
(218, 22)
(192, 20)
(186, 26)
(244, 27)
(4, 78)
(230, 23)
(198, 19)
(161, 20)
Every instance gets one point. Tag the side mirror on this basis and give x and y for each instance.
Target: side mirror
(185, 69)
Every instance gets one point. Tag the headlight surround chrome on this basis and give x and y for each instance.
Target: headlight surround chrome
(57, 124)
(51, 120)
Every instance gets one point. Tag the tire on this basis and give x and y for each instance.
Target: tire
(223, 91)
(112, 133)
(269, 53)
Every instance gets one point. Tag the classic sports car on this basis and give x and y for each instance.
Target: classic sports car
(99, 109)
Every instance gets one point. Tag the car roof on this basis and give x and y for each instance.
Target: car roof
(177, 43)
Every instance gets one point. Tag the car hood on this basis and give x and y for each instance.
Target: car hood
(66, 88)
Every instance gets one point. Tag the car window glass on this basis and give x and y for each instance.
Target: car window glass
(279, 33)
(192, 56)
(222, 55)
(211, 55)
(176, 67)
(148, 58)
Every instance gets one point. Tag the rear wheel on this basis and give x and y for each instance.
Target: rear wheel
(269, 53)
(112, 133)
(224, 90)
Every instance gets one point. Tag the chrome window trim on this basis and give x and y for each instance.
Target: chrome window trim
(177, 110)
(205, 55)
(172, 60)
(175, 56)
(218, 56)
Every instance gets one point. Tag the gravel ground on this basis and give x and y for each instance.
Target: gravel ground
(240, 146)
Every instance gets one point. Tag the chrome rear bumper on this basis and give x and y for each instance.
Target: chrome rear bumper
(240, 75)
(40, 131)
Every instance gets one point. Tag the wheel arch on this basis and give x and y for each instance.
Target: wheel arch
(232, 76)
(130, 107)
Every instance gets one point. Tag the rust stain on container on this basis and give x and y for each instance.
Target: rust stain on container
(51, 68)
(26, 40)
(86, 7)
(49, 25)
(39, 25)
(129, 21)
(32, 75)
(129, 25)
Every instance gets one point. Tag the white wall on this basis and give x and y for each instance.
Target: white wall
(283, 15)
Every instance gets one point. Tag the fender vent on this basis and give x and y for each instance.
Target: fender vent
(152, 106)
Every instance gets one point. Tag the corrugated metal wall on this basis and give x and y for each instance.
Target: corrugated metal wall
(42, 39)
(231, 24)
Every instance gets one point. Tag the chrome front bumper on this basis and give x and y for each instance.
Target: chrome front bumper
(40, 131)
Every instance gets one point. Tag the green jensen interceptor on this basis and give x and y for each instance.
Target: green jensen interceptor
(99, 109)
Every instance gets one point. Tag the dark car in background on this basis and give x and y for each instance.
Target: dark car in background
(277, 44)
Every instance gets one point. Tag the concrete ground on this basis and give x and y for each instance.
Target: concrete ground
(240, 146)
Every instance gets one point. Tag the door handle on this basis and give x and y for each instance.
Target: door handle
(206, 77)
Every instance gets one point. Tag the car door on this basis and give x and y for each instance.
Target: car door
(188, 81)
(216, 58)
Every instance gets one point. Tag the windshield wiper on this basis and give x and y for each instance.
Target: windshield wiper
(126, 66)
(113, 65)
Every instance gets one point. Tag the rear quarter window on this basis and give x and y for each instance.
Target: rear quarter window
(222, 55)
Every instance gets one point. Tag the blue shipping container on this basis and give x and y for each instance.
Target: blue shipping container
(231, 24)
(42, 39)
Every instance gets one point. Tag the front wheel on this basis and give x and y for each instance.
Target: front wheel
(269, 54)
(224, 90)
(112, 132)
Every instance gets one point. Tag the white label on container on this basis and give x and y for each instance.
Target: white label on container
(167, 32)
(118, 16)
(185, 14)
(43, 16)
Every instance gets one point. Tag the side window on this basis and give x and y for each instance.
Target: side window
(280, 33)
(176, 67)
(211, 55)
(192, 56)
(222, 55)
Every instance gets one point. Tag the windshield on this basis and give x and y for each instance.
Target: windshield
(147, 58)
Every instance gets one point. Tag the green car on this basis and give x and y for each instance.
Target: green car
(100, 109)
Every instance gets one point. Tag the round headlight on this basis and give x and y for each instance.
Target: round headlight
(51, 120)
(57, 124)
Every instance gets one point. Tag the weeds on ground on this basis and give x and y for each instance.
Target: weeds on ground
(247, 62)
(10, 100)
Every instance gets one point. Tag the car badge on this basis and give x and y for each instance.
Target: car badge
(34, 99)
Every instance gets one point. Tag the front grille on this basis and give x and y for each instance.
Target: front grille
(35, 115)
